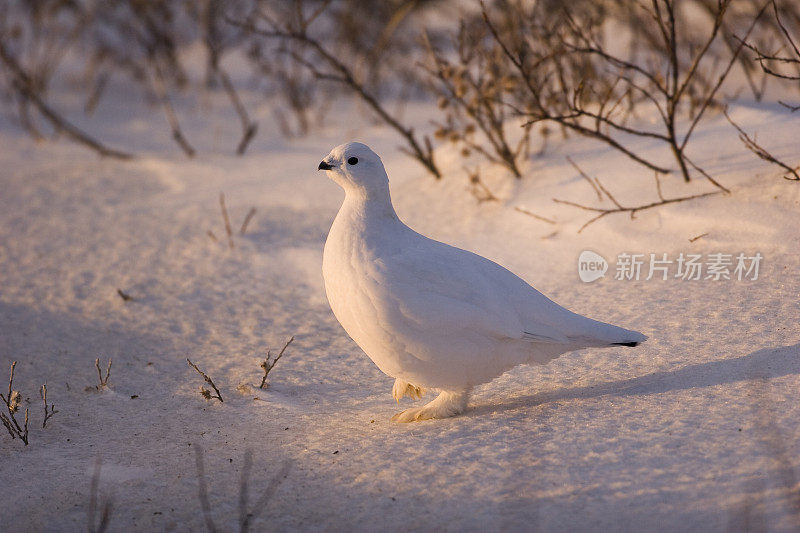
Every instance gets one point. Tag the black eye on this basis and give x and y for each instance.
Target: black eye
(352, 161)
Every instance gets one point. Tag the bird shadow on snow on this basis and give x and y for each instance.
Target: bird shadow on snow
(767, 362)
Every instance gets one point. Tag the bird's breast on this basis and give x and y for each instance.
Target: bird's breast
(342, 270)
(348, 270)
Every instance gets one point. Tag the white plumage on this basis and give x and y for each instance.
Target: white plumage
(428, 314)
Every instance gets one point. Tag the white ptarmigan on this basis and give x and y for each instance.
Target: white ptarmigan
(430, 315)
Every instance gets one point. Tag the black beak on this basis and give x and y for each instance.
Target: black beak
(324, 166)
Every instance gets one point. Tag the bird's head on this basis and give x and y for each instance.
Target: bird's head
(355, 167)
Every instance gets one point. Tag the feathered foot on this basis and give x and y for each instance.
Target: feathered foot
(402, 388)
(447, 404)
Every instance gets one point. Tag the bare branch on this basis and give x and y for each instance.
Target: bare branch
(583, 86)
(585, 177)
(161, 90)
(249, 128)
(22, 83)
(751, 144)
(605, 211)
(534, 215)
(711, 94)
(706, 175)
(346, 77)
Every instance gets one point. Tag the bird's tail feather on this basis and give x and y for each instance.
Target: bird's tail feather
(630, 344)
(610, 335)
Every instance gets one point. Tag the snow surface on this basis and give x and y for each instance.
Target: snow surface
(697, 430)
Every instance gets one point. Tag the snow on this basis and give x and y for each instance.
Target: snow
(696, 430)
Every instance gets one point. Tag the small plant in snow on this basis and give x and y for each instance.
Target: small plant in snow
(103, 381)
(204, 392)
(125, 296)
(50, 410)
(267, 365)
(12, 400)
(227, 221)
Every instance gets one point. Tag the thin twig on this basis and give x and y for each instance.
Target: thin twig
(585, 177)
(608, 194)
(706, 175)
(246, 221)
(249, 128)
(267, 366)
(343, 75)
(203, 391)
(764, 58)
(8, 418)
(605, 211)
(658, 187)
(698, 237)
(161, 90)
(478, 186)
(227, 220)
(761, 152)
(534, 215)
(125, 297)
(48, 411)
(103, 380)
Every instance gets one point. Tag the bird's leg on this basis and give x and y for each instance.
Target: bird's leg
(402, 388)
(448, 403)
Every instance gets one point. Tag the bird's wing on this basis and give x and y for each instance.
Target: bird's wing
(436, 287)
